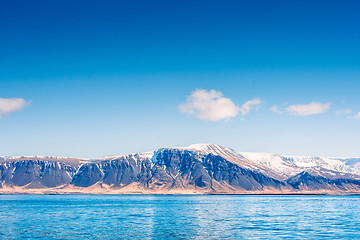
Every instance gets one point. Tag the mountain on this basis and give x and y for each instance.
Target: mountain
(196, 169)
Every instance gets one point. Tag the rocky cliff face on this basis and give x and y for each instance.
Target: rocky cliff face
(36, 173)
(116, 173)
(215, 170)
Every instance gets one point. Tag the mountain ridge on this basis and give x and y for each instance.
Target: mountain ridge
(196, 169)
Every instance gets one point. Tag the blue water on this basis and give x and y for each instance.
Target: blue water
(179, 217)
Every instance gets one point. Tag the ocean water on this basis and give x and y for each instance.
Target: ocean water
(179, 217)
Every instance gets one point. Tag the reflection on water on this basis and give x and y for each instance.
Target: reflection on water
(179, 217)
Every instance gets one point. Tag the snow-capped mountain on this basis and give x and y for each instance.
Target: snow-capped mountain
(282, 165)
(198, 168)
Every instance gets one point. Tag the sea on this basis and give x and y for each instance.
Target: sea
(179, 217)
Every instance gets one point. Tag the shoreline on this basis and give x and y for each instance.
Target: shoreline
(181, 194)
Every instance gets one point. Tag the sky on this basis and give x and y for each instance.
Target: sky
(95, 78)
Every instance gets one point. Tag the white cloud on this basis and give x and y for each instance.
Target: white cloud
(308, 109)
(246, 107)
(213, 106)
(357, 116)
(275, 109)
(8, 105)
(343, 111)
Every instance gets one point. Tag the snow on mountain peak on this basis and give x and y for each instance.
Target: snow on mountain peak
(214, 149)
(32, 157)
(136, 156)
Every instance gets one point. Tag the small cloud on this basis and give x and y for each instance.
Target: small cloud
(275, 109)
(213, 106)
(8, 105)
(343, 111)
(308, 109)
(246, 107)
(209, 105)
(357, 116)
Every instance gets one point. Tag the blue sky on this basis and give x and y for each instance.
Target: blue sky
(88, 79)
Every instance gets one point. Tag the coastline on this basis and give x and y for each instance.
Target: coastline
(77, 191)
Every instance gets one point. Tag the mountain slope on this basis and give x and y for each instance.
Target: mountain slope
(171, 169)
(281, 166)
